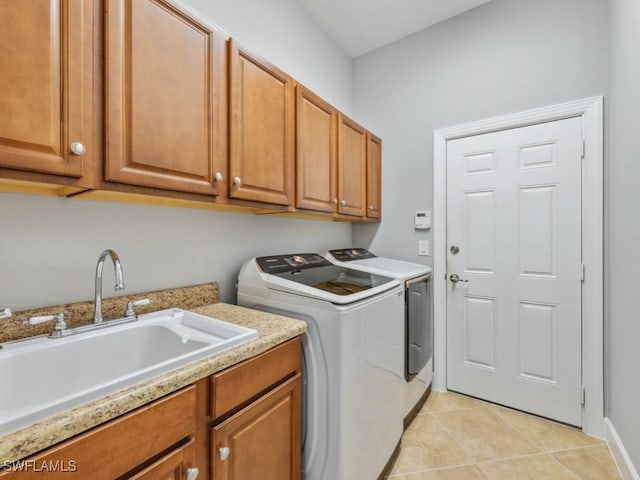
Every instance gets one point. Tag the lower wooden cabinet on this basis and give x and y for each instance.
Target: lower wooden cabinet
(263, 440)
(119, 447)
(184, 436)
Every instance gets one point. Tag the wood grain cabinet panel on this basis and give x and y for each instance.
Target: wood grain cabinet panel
(316, 152)
(173, 466)
(46, 65)
(263, 440)
(352, 167)
(374, 176)
(164, 78)
(261, 129)
(115, 448)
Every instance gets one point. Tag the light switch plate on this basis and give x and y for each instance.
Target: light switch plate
(423, 247)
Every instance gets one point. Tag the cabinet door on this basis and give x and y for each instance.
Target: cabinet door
(316, 153)
(261, 130)
(263, 440)
(163, 86)
(352, 168)
(46, 55)
(374, 176)
(173, 466)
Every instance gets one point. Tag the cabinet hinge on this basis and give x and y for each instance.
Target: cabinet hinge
(582, 271)
(583, 395)
(584, 149)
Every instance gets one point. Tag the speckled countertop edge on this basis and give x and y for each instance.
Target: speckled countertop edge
(272, 330)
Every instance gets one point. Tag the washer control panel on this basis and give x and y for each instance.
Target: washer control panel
(349, 254)
(289, 263)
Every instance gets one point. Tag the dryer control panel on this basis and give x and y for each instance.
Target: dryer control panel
(292, 262)
(348, 254)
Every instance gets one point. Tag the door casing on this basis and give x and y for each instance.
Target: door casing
(590, 110)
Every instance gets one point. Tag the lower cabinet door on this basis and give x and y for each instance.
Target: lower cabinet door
(262, 441)
(179, 464)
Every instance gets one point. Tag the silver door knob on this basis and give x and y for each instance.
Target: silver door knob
(192, 473)
(224, 452)
(343, 202)
(78, 148)
(218, 176)
(455, 278)
(237, 180)
(335, 201)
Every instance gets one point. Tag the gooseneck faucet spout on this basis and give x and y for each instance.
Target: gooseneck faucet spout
(97, 317)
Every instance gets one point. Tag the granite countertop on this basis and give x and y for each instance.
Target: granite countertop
(272, 330)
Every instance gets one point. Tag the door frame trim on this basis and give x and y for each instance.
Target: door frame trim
(590, 110)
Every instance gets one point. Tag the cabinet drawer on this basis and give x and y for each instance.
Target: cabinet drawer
(234, 387)
(263, 440)
(173, 466)
(117, 447)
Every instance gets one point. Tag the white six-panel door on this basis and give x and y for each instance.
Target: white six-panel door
(514, 214)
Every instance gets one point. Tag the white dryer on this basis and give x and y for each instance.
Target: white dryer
(353, 368)
(417, 317)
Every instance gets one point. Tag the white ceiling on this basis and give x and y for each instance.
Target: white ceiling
(360, 26)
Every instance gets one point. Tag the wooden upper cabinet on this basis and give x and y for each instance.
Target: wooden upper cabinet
(164, 113)
(261, 129)
(352, 167)
(374, 176)
(316, 152)
(46, 85)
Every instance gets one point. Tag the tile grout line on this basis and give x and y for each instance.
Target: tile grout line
(509, 426)
(446, 432)
(565, 467)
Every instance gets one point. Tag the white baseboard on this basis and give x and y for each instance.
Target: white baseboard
(620, 455)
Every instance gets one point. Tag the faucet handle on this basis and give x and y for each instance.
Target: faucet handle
(59, 318)
(5, 313)
(130, 312)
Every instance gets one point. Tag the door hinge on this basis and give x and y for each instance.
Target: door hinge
(582, 271)
(584, 149)
(583, 395)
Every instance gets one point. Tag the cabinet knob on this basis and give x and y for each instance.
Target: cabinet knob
(372, 208)
(218, 176)
(224, 452)
(343, 202)
(192, 473)
(78, 148)
(335, 201)
(237, 181)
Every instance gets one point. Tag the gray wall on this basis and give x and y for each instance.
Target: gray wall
(502, 57)
(283, 32)
(49, 246)
(622, 309)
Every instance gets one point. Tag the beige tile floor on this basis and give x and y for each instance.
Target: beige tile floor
(458, 438)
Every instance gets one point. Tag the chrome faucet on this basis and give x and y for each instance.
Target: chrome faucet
(97, 317)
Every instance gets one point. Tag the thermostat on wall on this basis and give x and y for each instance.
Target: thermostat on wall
(423, 220)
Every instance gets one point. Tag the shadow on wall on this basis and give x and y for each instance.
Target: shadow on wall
(364, 234)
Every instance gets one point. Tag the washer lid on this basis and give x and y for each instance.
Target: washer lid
(313, 276)
(379, 265)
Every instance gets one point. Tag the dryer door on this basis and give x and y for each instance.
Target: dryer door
(419, 330)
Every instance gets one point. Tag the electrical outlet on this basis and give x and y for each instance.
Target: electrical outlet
(423, 247)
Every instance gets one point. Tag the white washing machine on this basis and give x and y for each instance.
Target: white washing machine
(417, 316)
(353, 365)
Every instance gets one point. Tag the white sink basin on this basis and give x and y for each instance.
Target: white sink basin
(41, 377)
